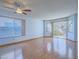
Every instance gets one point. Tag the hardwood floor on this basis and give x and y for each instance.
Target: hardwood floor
(42, 48)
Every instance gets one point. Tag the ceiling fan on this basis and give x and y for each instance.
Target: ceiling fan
(18, 5)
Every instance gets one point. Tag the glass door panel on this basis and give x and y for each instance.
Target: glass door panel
(47, 28)
(18, 27)
(59, 29)
(6, 27)
(10, 27)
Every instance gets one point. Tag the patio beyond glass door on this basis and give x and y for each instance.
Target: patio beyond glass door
(59, 29)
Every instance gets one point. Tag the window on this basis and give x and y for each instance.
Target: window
(70, 25)
(10, 27)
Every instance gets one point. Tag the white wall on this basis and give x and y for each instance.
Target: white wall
(34, 28)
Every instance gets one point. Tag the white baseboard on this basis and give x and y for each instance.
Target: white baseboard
(18, 39)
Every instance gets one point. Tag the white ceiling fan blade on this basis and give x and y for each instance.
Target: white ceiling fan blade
(11, 2)
(10, 7)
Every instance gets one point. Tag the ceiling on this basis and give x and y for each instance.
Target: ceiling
(44, 9)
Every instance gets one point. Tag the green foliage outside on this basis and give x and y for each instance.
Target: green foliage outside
(57, 33)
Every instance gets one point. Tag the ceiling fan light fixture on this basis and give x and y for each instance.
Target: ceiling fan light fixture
(18, 10)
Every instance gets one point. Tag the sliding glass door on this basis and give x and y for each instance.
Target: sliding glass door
(10, 27)
(59, 29)
(47, 28)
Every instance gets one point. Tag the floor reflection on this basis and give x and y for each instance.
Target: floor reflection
(64, 48)
(11, 53)
(59, 45)
(49, 47)
(42, 48)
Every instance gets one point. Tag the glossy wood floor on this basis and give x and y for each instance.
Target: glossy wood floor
(42, 48)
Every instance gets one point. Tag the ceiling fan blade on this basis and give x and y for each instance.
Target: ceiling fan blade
(24, 13)
(10, 4)
(27, 10)
(8, 1)
(10, 7)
